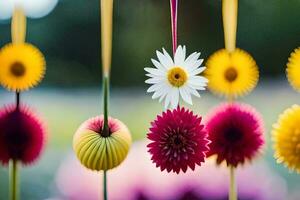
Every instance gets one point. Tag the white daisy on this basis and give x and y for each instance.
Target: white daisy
(173, 78)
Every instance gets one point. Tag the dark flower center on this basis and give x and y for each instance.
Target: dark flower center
(17, 138)
(177, 141)
(231, 74)
(233, 135)
(17, 69)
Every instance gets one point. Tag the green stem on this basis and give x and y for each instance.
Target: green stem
(105, 132)
(14, 192)
(233, 187)
(105, 185)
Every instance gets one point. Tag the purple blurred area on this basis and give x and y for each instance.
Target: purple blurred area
(138, 179)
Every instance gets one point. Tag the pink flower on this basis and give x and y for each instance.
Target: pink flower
(236, 133)
(178, 140)
(22, 135)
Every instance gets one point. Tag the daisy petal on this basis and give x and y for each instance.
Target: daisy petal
(193, 57)
(154, 71)
(179, 56)
(168, 99)
(161, 92)
(197, 80)
(154, 80)
(174, 97)
(186, 96)
(163, 60)
(193, 91)
(197, 71)
(194, 65)
(168, 57)
(155, 87)
(158, 65)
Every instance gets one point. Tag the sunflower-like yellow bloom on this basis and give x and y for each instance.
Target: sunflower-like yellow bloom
(286, 138)
(293, 69)
(22, 66)
(97, 152)
(231, 74)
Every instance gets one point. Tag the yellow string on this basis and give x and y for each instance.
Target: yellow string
(18, 26)
(106, 31)
(230, 12)
(232, 191)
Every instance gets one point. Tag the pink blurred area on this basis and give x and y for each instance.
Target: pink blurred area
(138, 178)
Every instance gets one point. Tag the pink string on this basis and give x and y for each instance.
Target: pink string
(174, 6)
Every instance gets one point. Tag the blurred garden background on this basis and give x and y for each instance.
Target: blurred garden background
(69, 37)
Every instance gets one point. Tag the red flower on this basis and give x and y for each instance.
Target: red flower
(21, 135)
(178, 140)
(236, 133)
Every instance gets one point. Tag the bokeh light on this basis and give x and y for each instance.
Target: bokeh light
(33, 8)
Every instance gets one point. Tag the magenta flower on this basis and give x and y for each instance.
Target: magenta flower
(178, 140)
(236, 133)
(22, 135)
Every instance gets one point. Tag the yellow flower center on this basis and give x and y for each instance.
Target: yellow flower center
(231, 74)
(177, 76)
(17, 69)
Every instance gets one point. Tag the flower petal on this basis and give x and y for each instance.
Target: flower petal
(154, 80)
(198, 80)
(194, 65)
(168, 57)
(193, 91)
(163, 60)
(186, 96)
(179, 56)
(197, 71)
(154, 71)
(158, 65)
(174, 97)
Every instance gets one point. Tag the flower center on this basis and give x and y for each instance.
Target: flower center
(177, 76)
(231, 74)
(177, 141)
(233, 135)
(17, 69)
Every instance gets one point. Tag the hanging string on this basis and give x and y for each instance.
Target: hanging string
(18, 26)
(232, 187)
(174, 8)
(106, 41)
(230, 13)
(106, 7)
(106, 34)
(18, 34)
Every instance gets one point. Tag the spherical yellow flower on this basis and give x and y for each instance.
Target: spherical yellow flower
(22, 66)
(286, 138)
(293, 69)
(231, 74)
(97, 152)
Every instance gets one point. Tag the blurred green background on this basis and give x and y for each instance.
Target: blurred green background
(71, 91)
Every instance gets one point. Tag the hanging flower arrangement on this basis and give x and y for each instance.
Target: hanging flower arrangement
(22, 133)
(178, 138)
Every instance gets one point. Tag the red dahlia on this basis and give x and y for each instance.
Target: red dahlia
(235, 132)
(21, 135)
(178, 140)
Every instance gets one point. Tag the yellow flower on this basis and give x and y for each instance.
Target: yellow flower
(231, 74)
(286, 138)
(22, 66)
(293, 69)
(97, 152)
